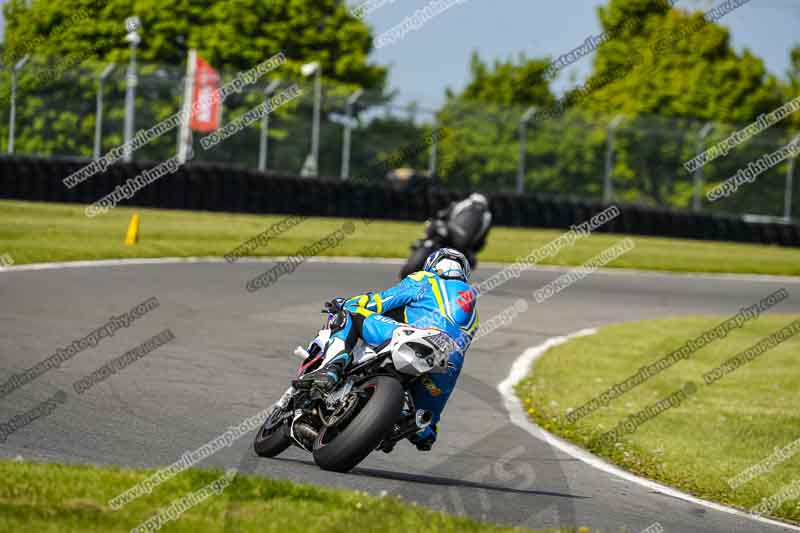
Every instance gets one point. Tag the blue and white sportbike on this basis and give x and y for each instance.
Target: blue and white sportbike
(380, 370)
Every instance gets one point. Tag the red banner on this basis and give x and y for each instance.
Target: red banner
(205, 97)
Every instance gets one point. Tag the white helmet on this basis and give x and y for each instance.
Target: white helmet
(478, 198)
(448, 264)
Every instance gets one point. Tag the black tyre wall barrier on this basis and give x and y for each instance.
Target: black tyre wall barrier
(212, 187)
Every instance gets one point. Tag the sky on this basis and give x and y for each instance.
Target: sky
(435, 56)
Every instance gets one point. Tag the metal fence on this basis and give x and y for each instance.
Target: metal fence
(481, 146)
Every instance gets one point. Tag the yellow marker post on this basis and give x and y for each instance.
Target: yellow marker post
(132, 235)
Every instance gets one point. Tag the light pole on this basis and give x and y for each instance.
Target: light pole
(348, 128)
(262, 144)
(131, 24)
(608, 186)
(698, 174)
(434, 156)
(98, 121)
(307, 70)
(523, 144)
(12, 116)
(787, 199)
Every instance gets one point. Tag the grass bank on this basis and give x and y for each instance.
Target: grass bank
(33, 232)
(703, 440)
(36, 498)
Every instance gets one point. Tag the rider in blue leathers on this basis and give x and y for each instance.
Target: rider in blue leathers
(438, 296)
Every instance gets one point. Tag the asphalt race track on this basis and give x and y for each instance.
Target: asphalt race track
(231, 358)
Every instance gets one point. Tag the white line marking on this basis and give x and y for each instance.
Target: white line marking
(388, 261)
(178, 260)
(518, 417)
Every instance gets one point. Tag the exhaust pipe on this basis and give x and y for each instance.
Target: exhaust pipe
(305, 432)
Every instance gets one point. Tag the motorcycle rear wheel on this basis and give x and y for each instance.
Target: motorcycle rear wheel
(341, 451)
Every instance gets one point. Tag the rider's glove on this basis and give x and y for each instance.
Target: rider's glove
(337, 317)
(334, 306)
(424, 438)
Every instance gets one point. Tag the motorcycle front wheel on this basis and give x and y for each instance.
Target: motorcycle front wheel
(271, 439)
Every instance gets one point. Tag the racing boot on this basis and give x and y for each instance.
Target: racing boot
(425, 438)
(343, 337)
(325, 378)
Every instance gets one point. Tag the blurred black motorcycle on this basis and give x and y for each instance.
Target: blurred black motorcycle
(462, 225)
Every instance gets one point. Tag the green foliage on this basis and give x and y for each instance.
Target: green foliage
(380, 141)
(508, 83)
(689, 68)
(41, 497)
(668, 72)
(234, 34)
(688, 73)
(484, 117)
(794, 69)
(71, 41)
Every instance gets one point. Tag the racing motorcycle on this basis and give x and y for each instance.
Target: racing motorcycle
(463, 226)
(371, 408)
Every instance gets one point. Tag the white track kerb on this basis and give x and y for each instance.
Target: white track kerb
(349, 260)
(516, 413)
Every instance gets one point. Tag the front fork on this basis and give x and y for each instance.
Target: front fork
(284, 401)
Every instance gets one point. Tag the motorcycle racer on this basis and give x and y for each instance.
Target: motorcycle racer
(463, 226)
(439, 297)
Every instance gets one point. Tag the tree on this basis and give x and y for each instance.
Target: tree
(507, 83)
(57, 89)
(234, 34)
(666, 70)
(483, 119)
(686, 74)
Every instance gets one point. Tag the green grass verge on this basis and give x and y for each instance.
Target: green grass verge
(36, 232)
(720, 431)
(36, 497)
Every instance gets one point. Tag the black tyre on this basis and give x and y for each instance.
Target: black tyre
(340, 451)
(416, 261)
(271, 438)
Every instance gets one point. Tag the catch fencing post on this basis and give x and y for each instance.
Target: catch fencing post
(348, 128)
(787, 199)
(434, 150)
(263, 141)
(185, 140)
(523, 143)
(98, 121)
(12, 116)
(698, 174)
(307, 70)
(131, 24)
(608, 185)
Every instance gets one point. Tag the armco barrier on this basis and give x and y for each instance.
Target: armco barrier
(211, 187)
